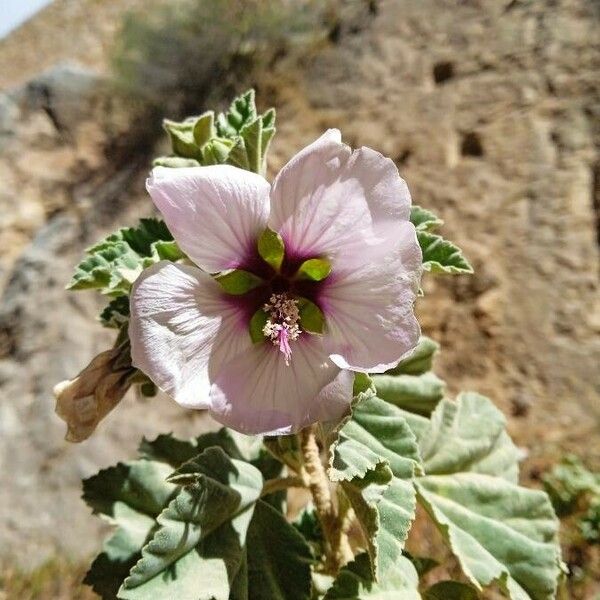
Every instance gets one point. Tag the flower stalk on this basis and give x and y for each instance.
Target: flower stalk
(336, 547)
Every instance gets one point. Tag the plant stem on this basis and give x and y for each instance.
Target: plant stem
(283, 483)
(318, 483)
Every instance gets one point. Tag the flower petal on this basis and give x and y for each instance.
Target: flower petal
(369, 310)
(258, 393)
(215, 213)
(182, 329)
(330, 201)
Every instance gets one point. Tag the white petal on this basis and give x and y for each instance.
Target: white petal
(215, 213)
(331, 201)
(182, 328)
(369, 310)
(258, 393)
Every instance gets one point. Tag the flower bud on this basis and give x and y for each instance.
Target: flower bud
(84, 401)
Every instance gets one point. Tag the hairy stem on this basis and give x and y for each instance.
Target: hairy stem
(283, 483)
(318, 483)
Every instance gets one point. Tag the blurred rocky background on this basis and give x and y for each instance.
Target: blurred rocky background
(491, 110)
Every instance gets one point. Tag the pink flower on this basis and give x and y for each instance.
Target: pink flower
(349, 209)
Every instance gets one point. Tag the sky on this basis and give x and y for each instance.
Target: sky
(14, 12)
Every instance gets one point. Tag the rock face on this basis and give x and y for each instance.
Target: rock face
(69, 180)
(490, 109)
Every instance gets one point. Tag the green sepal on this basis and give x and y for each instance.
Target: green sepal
(311, 317)
(315, 269)
(424, 220)
(237, 281)
(257, 323)
(442, 256)
(271, 248)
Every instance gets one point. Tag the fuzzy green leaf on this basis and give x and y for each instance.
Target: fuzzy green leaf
(499, 532)
(174, 162)
(419, 361)
(182, 139)
(252, 136)
(130, 496)
(204, 128)
(469, 435)
(201, 532)
(271, 248)
(424, 220)
(242, 111)
(376, 457)
(279, 559)
(450, 590)
(315, 269)
(442, 256)
(355, 582)
(116, 314)
(415, 393)
(216, 539)
(238, 281)
(114, 263)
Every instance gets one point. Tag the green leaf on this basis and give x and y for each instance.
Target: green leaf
(311, 317)
(242, 111)
(112, 269)
(257, 323)
(174, 162)
(355, 582)
(415, 393)
(315, 269)
(450, 590)
(252, 136)
(238, 281)
(202, 531)
(182, 138)
(420, 361)
(116, 314)
(216, 151)
(469, 435)
(499, 532)
(130, 496)
(114, 263)
(424, 220)
(204, 128)
(375, 457)
(217, 540)
(279, 559)
(271, 248)
(442, 256)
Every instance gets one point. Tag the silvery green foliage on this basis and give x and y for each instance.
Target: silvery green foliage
(193, 518)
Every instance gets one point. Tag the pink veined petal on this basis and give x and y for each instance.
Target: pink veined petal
(331, 201)
(369, 310)
(182, 329)
(257, 392)
(215, 213)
